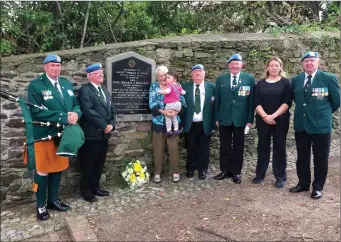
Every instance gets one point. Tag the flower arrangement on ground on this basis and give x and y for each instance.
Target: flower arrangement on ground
(135, 174)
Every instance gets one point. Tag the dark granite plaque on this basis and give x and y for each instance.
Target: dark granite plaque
(129, 76)
(131, 79)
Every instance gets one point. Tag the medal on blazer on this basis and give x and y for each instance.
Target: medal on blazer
(244, 91)
(47, 94)
(320, 93)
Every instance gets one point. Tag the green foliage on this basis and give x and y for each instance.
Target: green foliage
(300, 29)
(260, 55)
(42, 26)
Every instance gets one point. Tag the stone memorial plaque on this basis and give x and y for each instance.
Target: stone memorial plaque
(129, 76)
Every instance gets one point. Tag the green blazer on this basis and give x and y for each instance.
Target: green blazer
(97, 113)
(42, 92)
(233, 106)
(208, 108)
(314, 114)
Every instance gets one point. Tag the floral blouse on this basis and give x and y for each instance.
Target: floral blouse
(155, 103)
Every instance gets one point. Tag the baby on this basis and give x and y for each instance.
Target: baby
(172, 100)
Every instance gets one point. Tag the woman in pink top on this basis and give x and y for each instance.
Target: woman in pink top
(172, 100)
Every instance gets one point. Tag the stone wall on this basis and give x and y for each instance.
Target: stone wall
(133, 139)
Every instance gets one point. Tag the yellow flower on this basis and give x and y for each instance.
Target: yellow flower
(142, 175)
(137, 167)
(132, 178)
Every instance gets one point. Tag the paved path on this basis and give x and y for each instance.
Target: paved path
(20, 223)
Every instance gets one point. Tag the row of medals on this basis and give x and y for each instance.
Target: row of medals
(319, 92)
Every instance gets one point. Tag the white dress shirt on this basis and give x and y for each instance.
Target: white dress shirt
(306, 78)
(53, 84)
(231, 80)
(198, 117)
(96, 86)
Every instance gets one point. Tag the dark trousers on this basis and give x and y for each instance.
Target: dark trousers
(198, 148)
(231, 149)
(92, 158)
(321, 147)
(278, 133)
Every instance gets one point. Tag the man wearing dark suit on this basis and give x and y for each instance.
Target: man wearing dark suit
(234, 111)
(198, 121)
(317, 97)
(98, 121)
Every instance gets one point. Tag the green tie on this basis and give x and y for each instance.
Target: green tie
(234, 82)
(307, 87)
(100, 93)
(60, 94)
(197, 105)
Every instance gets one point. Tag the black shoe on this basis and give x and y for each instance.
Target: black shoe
(58, 205)
(88, 197)
(202, 175)
(257, 180)
(42, 213)
(222, 175)
(237, 179)
(99, 192)
(279, 184)
(189, 174)
(316, 194)
(298, 188)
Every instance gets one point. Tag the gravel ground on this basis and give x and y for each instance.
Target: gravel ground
(230, 212)
(195, 210)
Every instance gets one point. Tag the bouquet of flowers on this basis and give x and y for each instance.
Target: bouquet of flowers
(135, 174)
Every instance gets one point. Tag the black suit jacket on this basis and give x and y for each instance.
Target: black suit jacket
(97, 113)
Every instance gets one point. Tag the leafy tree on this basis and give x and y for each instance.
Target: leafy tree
(41, 26)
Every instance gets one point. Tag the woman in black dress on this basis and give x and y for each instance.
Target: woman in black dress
(272, 101)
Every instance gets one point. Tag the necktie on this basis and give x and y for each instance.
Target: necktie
(307, 86)
(59, 91)
(197, 105)
(100, 93)
(234, 82)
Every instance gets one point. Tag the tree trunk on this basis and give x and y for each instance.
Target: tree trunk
(85, 24)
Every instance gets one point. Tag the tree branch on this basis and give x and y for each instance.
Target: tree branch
(85, 24)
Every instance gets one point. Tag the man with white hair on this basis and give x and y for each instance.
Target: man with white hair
(98, 121)
(199, 121)
(234, 112)
(56, 94)
(317, 97)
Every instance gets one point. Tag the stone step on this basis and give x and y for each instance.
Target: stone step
(61, 235)
(80, 229)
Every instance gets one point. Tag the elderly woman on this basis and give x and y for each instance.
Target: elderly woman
(157, 105)
(272, 101)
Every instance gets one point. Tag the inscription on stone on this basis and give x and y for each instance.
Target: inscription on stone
(129, 76)
(131, 79)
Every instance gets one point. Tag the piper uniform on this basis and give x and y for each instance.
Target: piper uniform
(315, 104)
(98, 112)
(198, 125)
(234, 109)
(58, 102)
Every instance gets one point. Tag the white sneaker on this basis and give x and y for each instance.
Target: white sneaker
(157, 179)
(176, 177)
